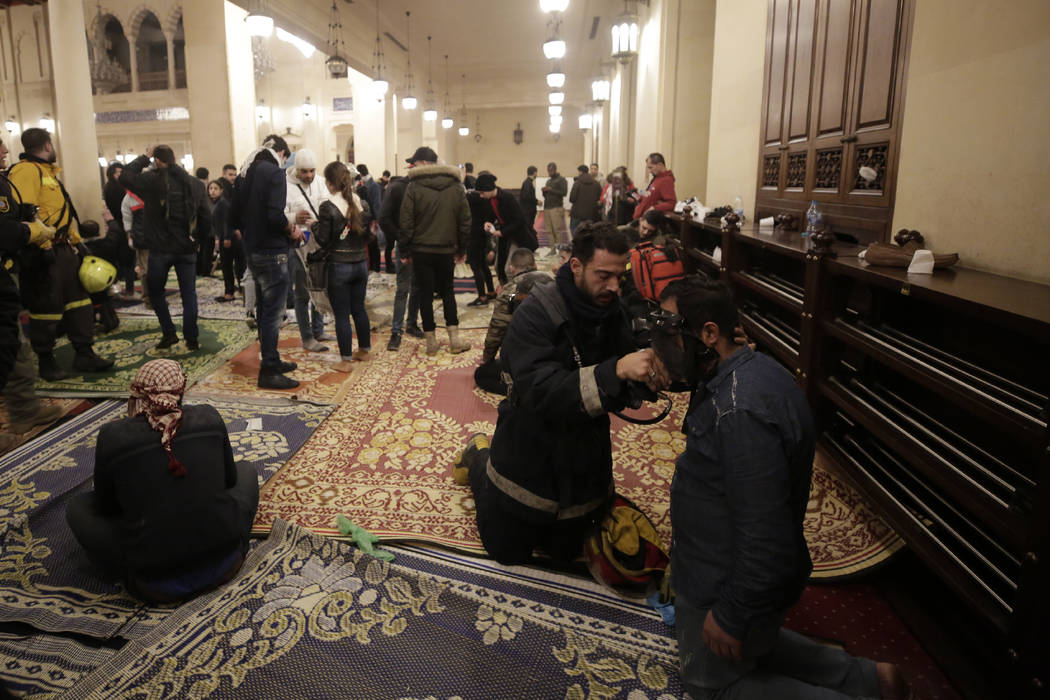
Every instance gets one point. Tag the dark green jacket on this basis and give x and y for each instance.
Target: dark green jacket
(435, 216)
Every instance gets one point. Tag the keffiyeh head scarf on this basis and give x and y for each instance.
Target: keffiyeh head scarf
(156, 391)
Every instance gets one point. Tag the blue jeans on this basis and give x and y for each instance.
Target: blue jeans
(185, 265)
(346, 291)
(270, 275)
(310, 320)
(406, 289)
(778, 663)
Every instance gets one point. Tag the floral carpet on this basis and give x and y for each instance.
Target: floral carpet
(45, 579)
(383, 459)
(133, 345)
(318, 618)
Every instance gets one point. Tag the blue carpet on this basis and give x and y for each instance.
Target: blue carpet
(311, 617)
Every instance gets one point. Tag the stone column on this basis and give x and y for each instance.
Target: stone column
(171, 61)
(77, 142)
(133, 50)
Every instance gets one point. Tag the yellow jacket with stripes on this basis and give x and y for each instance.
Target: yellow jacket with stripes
(37, 183)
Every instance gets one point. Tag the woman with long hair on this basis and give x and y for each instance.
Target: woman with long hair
(343, 239)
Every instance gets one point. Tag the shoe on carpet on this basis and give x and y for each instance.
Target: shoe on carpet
(455, 345)
(88, 361)
(345, 365)
(285, 367)
(461, 467)
(360, 355)
(414, 331)
(193, 345)
(49, 369)
(223, 298)
(313, 346)
(432, 342)
(324, 337)
(274, 380)
(45, 415)
(480, 301)
(252, 324)
(394, 344)
(167, 341)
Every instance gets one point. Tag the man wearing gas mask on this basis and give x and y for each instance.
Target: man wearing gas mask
(738, 555)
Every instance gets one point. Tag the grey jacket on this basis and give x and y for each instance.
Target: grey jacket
(435, 216)
(559, 187)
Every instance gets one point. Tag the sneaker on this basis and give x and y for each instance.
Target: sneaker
(223, 299)
(193, 345)
(88, 361)
(324, 337)
(480, 301)
(250, 320)
(274, 380)
(285, 367)
(45, 415)
(394, 344)
(167, 341)
(313, 346)
(414, 331)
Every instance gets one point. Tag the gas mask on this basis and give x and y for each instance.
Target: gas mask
(679, 349)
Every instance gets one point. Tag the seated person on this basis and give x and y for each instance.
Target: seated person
(171, 511)
(564, 251)
(523, 276)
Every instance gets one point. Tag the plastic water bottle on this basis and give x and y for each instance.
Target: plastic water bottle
(738, 207)
(813, 218)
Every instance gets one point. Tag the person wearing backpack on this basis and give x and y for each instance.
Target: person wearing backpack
(656, 260)
(176, 217)
(50, 283)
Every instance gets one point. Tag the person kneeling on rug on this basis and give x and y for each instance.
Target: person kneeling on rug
(171, 510)
(739, 559)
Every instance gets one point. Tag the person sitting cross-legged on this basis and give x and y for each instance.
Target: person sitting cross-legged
(171, 510)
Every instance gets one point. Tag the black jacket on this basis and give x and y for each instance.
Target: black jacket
(584, 197)
(162, 234)
(113, 193)
(258, 207)
(510, 220)
(14, 235)
(220, 219)
(329, 227)
(527, 197)
(390, 211)
(552, 449)
(167, 522)
(435, 216)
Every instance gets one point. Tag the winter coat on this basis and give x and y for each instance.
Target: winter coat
(552, 452)
(390, 211)
(559, 187)
(163, 234)
(660, 195)
(584, 198)
(259, 198)
(504, 308)
(527, 198)
(14, 235)
(328, 231)
(435, 216)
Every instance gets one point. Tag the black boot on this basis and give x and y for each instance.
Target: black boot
(167, 341)
(275, 380)
(413, 330)
(394, 343)
(107, 316)
(49, 370)
(87, 361)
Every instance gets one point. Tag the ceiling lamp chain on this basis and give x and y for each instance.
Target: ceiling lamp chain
(379, 84)
(409, 101)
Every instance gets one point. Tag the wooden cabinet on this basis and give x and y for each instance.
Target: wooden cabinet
(832, 104)
(932, 392)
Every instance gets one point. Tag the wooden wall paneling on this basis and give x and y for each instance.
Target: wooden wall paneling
(803, 42)
(777, 72)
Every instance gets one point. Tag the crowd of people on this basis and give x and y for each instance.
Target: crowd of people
(618, 322)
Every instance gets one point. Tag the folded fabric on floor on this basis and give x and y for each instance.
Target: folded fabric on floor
(376, 629)
(133, 344)
(46, 580)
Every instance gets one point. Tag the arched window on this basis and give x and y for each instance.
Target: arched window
(109, 56)
(151, 55)
(179, 49)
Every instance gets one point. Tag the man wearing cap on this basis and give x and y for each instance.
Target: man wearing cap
(176, 219)
(305, 195)
(435, 228)
(407, 290)
(502, 217)
(259, 200)
(49, 279)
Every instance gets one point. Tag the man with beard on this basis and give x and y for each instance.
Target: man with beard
(50, 283)
(568, 360)
(739, 558)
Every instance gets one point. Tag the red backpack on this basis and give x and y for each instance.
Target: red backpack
(654, 267)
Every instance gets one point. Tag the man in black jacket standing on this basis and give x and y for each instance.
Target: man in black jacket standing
(389, 215)
(584, 197)
(570, 359)
(502, 217)
(177, 218)
(258, 207)
(527, 196)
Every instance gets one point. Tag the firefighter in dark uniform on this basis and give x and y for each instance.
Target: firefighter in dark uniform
(51, 287)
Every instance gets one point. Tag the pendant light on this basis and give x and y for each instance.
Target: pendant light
(409, 101)
(430, 114)
(464, 130)
(447, 121)
(379, 84)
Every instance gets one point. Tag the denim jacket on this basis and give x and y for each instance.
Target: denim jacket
(739, 494)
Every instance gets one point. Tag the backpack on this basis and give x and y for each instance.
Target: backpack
(653, 267)
(181, 204)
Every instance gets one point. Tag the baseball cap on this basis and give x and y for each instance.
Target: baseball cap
(423, 153)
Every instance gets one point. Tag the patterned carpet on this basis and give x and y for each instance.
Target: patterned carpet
(319, 619)
(386, 464)
(133, 344)
(45, 578)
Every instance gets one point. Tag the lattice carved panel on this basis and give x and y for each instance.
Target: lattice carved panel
(874, 157)
(771, 171)
(829, 169)
(796, 175)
